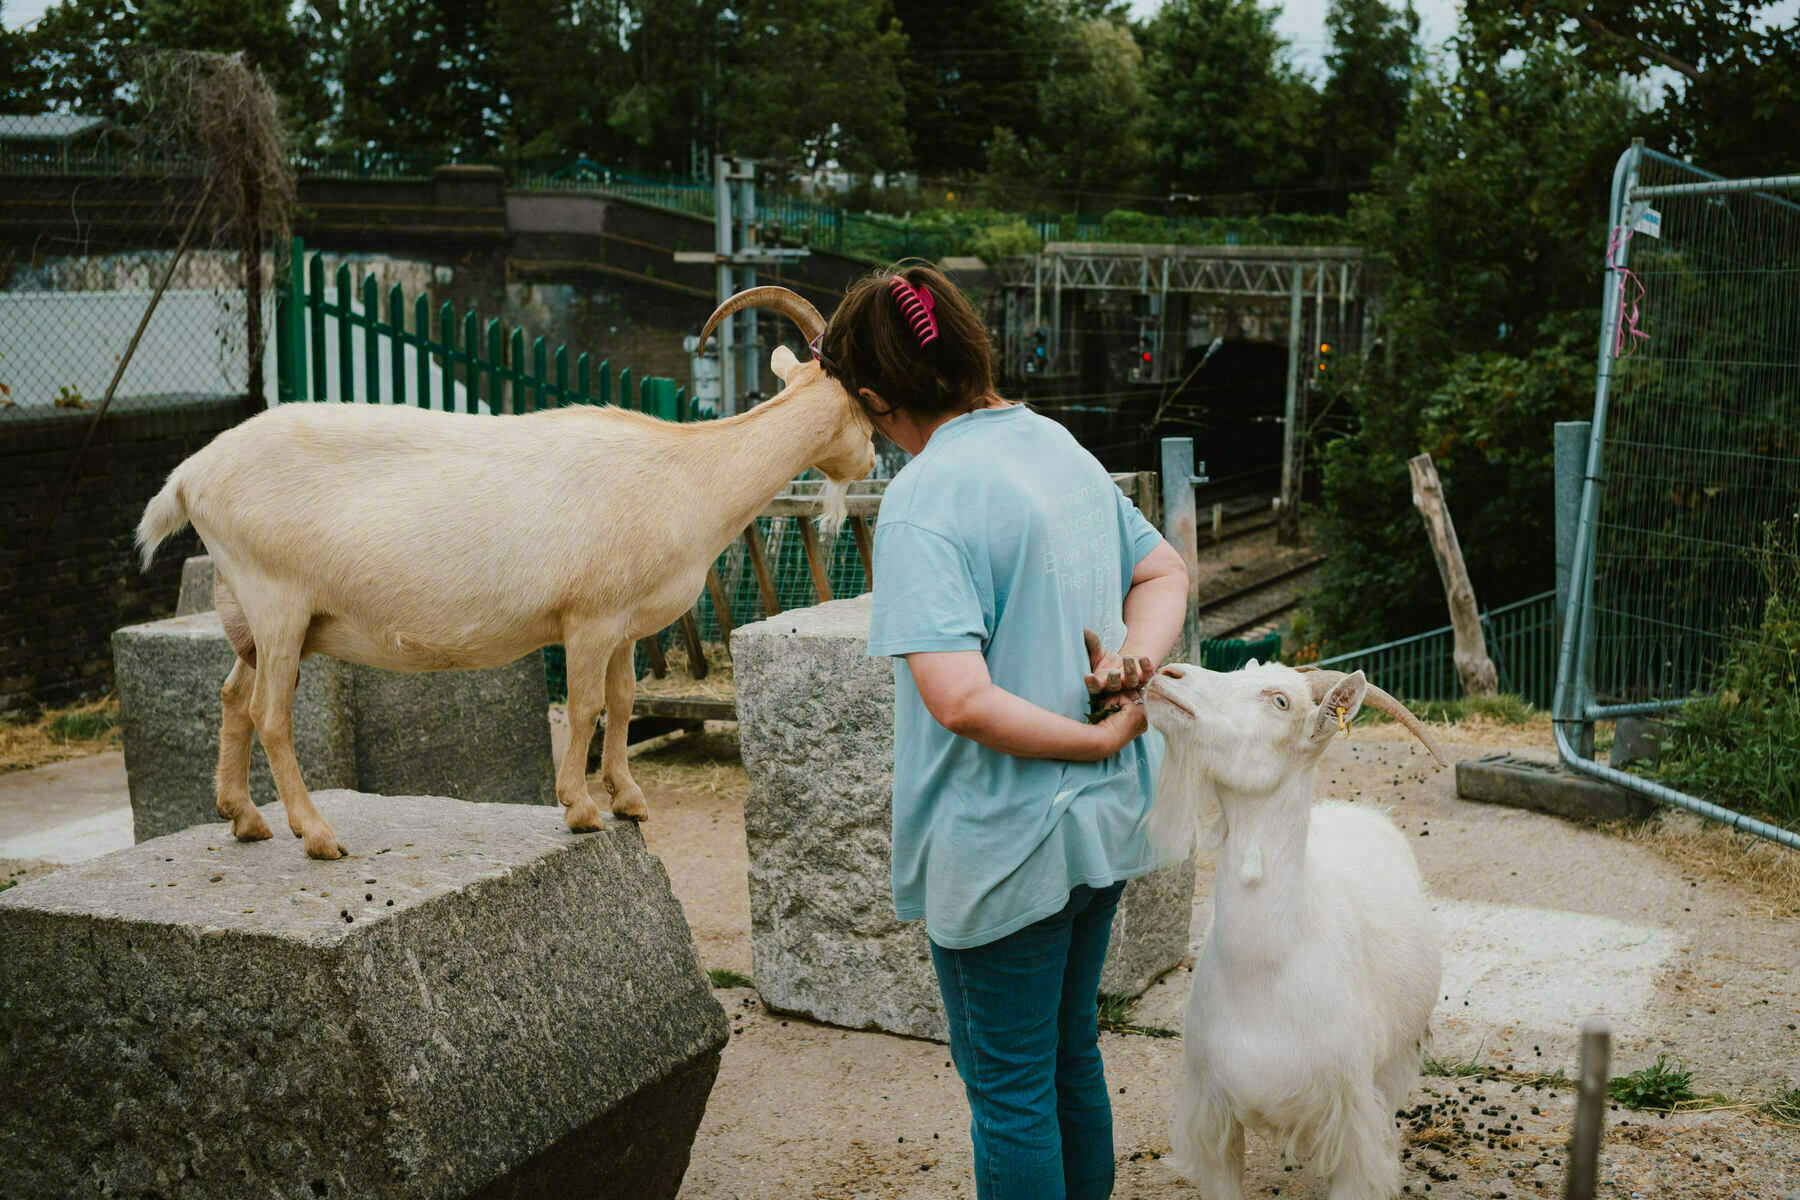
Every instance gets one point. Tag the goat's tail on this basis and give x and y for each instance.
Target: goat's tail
(165, 514)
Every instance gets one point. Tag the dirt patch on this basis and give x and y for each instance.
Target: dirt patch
(57, 734)
(802, 1109)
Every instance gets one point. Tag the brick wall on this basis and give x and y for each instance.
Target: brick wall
(59, 605)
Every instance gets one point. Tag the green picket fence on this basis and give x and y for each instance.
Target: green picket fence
(1520, 640)
(328, 347)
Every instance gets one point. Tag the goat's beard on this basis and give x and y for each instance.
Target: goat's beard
(1184, 792)
(834, 500)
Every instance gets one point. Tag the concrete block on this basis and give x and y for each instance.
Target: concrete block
(1638, 740)
(478, 1004)
(1550, 787)
(816, 721)
(169, 673)
(196, 586)
(470, 735)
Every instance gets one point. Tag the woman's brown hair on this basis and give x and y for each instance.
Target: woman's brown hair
(870, 343)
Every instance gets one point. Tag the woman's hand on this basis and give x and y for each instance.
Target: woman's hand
(1114, 672)
(1121, 723)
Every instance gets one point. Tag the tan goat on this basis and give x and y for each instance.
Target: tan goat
(425, 541)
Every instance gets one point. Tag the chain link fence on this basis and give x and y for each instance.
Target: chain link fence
(67, 321)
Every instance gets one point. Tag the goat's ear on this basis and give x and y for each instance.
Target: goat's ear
(781, 361)
(1248, 665)
(1339, 707)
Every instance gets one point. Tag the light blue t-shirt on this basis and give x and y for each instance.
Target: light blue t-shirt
(1005, 536)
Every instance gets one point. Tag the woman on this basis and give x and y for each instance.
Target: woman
(1016, 821)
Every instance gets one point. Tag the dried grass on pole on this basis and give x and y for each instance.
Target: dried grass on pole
(213, 116)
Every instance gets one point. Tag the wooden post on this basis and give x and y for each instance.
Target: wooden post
(865, 547)
(815, 558)
(690, 636)
(1473, 666)
(759, 563)
(1590, 1109)
(721, 606)
(1218, 516)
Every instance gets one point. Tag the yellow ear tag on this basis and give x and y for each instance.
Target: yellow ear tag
(1343, 729)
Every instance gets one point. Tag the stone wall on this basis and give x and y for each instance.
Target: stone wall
(59, 604)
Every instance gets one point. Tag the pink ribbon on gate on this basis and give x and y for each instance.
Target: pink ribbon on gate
(1628, 308)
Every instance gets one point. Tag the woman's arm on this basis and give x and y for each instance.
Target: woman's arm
(1155, 607)
(963, 698)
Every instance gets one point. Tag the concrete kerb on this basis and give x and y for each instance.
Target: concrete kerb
(479, 1003)
(815, 720)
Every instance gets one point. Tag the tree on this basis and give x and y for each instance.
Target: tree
(816, 81)
(1233, 113)
(418, 76)
(1373, 57)
(1488, 224)
(1735, 103)
(972, 66)
(21, 85)
(1093, 97)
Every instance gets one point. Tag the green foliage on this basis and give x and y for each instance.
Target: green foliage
(1509, 710)
(995, 242)
(1116, 1013)
(1233, 113)
(1740, 746)
(1489, 227)
(1092, 106)
(1363, 103)
(720, 977)
(1659, 1086)
(7, 883)
(972, 66)
(810, 81)
(1785, 1107)
(1734, 109)
(82, 725)
(1431, 1064)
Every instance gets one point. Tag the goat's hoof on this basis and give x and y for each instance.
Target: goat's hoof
(630, 804)
(249, 826)
(584, 817)
(324, 844)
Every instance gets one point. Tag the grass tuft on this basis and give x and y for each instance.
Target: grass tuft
(1115, 1017)
(1656, 1087)
(1785, 1107)
(89, 727)
(1500, 710)
(1431, 1064)
(724, 978)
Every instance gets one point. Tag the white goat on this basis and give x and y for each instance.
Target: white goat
(1313, 993)
(422, 541)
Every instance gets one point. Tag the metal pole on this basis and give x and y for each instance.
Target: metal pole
(749, 240)
(1287, 530)
(1180, 527)
(722, 248)
(1571, 456)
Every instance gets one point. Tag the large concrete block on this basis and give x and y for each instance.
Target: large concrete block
(169, 673)
(816, 720)
(196, 585)
(478, 1004)
(470, 735)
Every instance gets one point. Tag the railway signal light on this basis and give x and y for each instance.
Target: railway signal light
(1324, 353)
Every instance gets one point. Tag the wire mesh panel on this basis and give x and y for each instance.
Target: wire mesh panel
(1701, 446)
(1693, 485)
(1423, 667)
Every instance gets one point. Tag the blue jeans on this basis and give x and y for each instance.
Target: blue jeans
(1024, 1034)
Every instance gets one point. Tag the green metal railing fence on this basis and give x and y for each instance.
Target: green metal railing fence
(1520, 640)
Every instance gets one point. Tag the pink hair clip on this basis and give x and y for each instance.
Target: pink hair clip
(915, 305)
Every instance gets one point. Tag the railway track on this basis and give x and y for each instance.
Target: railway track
(1257, 597)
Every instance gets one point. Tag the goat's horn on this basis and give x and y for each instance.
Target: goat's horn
(791, 305)
(1322, 682)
